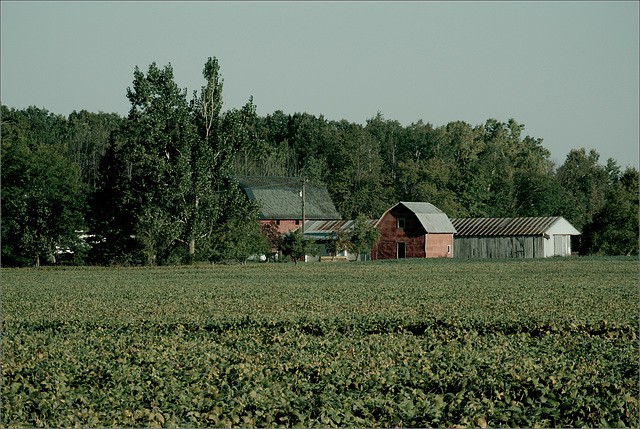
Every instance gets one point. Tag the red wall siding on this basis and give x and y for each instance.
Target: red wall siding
(412, 235)
(284, 226)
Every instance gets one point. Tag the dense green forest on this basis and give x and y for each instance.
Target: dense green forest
(154, 187)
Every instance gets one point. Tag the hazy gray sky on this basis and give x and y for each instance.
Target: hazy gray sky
(568, 71)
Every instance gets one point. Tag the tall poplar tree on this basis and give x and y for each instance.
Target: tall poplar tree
(172, 156)
(220, 138)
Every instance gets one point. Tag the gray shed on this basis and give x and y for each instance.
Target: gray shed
(524, 237)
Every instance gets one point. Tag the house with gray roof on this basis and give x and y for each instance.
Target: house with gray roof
(285, 203)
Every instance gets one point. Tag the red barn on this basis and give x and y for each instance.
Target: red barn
(414, 230)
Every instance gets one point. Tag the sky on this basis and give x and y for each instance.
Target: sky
(568, 71)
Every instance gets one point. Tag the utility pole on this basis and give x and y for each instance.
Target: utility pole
(303, 207)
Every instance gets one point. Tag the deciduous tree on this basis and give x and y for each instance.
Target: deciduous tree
(615, 228)
(173, 157)
(337, 242)
(363, 236)
(43, 198)
(297, 246)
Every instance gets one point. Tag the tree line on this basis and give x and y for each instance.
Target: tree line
(156, 187)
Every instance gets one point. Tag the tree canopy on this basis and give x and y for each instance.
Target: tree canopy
(154, 187)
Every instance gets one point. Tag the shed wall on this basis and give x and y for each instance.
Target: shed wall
(558, 245)
(499, 247)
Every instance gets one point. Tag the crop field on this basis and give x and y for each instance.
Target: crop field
(413, 343)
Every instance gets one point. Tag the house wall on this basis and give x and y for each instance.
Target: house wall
(284, 225)
(500, 247)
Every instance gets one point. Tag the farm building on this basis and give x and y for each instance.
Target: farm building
(282, 200)
(321, 231)
(414, 230)
(526, 237)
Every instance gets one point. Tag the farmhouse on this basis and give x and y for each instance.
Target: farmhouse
(414, 230)
(525, 237)
(284, 200)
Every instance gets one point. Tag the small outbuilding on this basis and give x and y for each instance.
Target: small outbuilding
(414, 230)
(322, 232)
(523, 237)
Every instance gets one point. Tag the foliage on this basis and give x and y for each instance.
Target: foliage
(614, 230)
(337, 242)
(539, 343)
(585, 181)
(239, 233)
(168, 164)
(88, 140)
(43, 198)
(274, 239)
(363, 236)
(356, 181)
(296, 246)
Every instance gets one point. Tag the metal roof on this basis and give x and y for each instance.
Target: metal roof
(281, 198)
(324, 228)
(419, 207)
(503, 226)
(436, 223)
(432, 219)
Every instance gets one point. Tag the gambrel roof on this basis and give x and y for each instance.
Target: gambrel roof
(281, 198)
(432, 219)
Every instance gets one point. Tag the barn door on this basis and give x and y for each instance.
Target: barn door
(558, 245)
(401, 250)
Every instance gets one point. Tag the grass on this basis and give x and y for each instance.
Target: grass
(572, 288)
(529, 343)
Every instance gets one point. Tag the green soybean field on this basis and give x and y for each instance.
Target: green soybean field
(410, 343)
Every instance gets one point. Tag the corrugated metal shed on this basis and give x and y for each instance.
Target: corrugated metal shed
(524, 237)
(495, 227)
(432, 219)
(281, 198)
(321, 229)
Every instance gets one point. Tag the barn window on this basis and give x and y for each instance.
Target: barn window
(297, 222)
(400, 223)
(448, 249)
